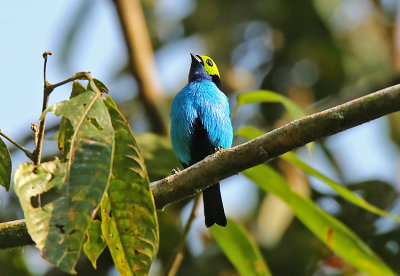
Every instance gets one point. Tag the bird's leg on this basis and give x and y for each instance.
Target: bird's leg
(175, 171)
(219, 148)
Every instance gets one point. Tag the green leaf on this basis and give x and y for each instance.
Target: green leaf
(67, 212)
(102, 88)
(249, 132)
(129, 221)
(5, 166)
(66, 131)
(252, 133)
(240, 249)
(271, 97)
(341, 190)
(95, 243)
(158, 154)
(329, 230)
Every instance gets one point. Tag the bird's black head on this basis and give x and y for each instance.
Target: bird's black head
(204, 68)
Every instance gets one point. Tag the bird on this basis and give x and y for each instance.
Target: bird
(201, 125)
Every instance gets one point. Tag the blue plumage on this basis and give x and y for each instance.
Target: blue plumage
(205, 101)
(200, 123)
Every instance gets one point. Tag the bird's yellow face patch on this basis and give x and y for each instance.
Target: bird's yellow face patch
(209, 66)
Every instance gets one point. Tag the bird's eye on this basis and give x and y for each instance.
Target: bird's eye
(209, 62)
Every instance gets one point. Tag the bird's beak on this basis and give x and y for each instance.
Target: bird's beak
(196, 58)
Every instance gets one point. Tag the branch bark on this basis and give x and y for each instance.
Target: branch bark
(14, 234)
(141, 60)
(231, 161)
(271, 145)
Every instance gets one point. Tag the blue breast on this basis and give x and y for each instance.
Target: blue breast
(205, 101)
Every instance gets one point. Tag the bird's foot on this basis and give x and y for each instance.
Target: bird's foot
(175, 171)
(218, 149)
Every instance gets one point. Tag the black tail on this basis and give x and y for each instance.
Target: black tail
(213, 207)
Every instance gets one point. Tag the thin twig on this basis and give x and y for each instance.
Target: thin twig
(47, 89)
(45, 54)
(27, 152)
(37, 153)
(77, 76)
(176, 259)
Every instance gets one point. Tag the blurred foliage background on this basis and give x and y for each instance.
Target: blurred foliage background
(318, 53)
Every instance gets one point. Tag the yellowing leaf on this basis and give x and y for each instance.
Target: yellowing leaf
(46, 220)
(58, 218)
(129, 221)
(95, 243)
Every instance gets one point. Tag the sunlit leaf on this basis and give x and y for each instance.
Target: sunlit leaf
(65, 213)
(37, 193)
(329, 230)
(129, 221)
(252, 133)
(240, 249)
(5, 166)
(95, 243)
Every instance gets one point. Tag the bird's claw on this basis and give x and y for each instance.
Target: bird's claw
(218, 149)
(175, 171)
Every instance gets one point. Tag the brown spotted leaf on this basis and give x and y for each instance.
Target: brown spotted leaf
(129, 221)
(85, 176)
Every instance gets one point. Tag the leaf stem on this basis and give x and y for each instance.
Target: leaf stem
(176, 259)
(77, 76)
(47, 89)
(26, 151)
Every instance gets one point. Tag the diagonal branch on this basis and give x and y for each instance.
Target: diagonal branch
(271, 145)
(225, 163)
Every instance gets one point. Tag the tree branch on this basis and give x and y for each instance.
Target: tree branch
(27, 152)
(14, 234)
(231, 161)
(225, 163)
(141, 60)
